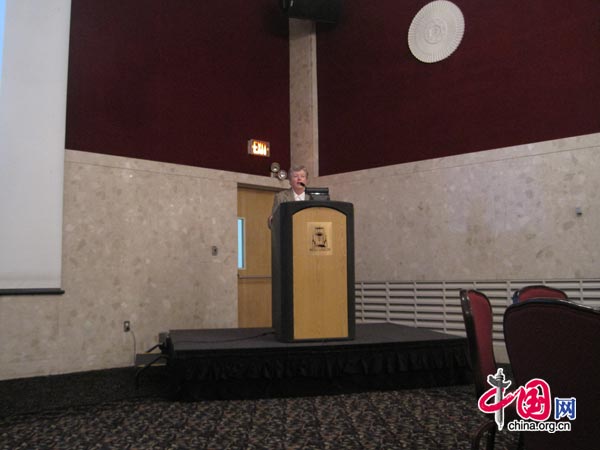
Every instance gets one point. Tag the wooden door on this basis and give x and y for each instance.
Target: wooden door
(254, 280)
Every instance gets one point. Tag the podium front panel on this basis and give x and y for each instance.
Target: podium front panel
(313, 271)
(320, 268)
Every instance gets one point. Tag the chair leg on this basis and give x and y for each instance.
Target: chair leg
(520, 442)
(491, 437)
(490, 428)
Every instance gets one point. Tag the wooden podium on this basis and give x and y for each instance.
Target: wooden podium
(313, 271)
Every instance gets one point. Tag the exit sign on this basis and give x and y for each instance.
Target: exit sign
(259, 148)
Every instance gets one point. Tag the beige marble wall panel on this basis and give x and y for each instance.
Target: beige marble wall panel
(138, 235)
(137, 240)
(500, 214)
(30, 330)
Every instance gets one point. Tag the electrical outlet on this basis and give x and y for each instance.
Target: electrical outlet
(126, 326)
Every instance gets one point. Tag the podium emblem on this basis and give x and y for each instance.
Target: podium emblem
(320, 238)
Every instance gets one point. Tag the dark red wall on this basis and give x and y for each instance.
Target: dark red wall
(186, 81)
(526, 71)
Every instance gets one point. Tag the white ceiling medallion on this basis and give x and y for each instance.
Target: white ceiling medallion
(436, 31)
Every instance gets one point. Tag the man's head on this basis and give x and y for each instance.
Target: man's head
(298, 175)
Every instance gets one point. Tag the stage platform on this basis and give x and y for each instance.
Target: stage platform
(251, 363)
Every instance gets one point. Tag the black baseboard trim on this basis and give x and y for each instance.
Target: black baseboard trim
(35, 291)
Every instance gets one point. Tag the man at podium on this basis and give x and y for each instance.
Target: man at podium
(312, 263)
(298, 177)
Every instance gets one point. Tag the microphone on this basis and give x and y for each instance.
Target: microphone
(302, 184)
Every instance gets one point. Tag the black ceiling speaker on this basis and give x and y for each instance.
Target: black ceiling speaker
(318, 10)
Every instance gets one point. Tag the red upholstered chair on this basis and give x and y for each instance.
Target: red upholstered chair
(559, 342)
(538, 291)
(477, 314)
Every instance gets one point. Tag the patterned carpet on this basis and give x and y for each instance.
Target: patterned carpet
(125, 418)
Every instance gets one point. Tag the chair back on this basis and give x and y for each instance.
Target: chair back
(478, 317)
(559, 342)
(538, 291)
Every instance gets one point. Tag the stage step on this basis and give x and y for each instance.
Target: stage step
(144, 359)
